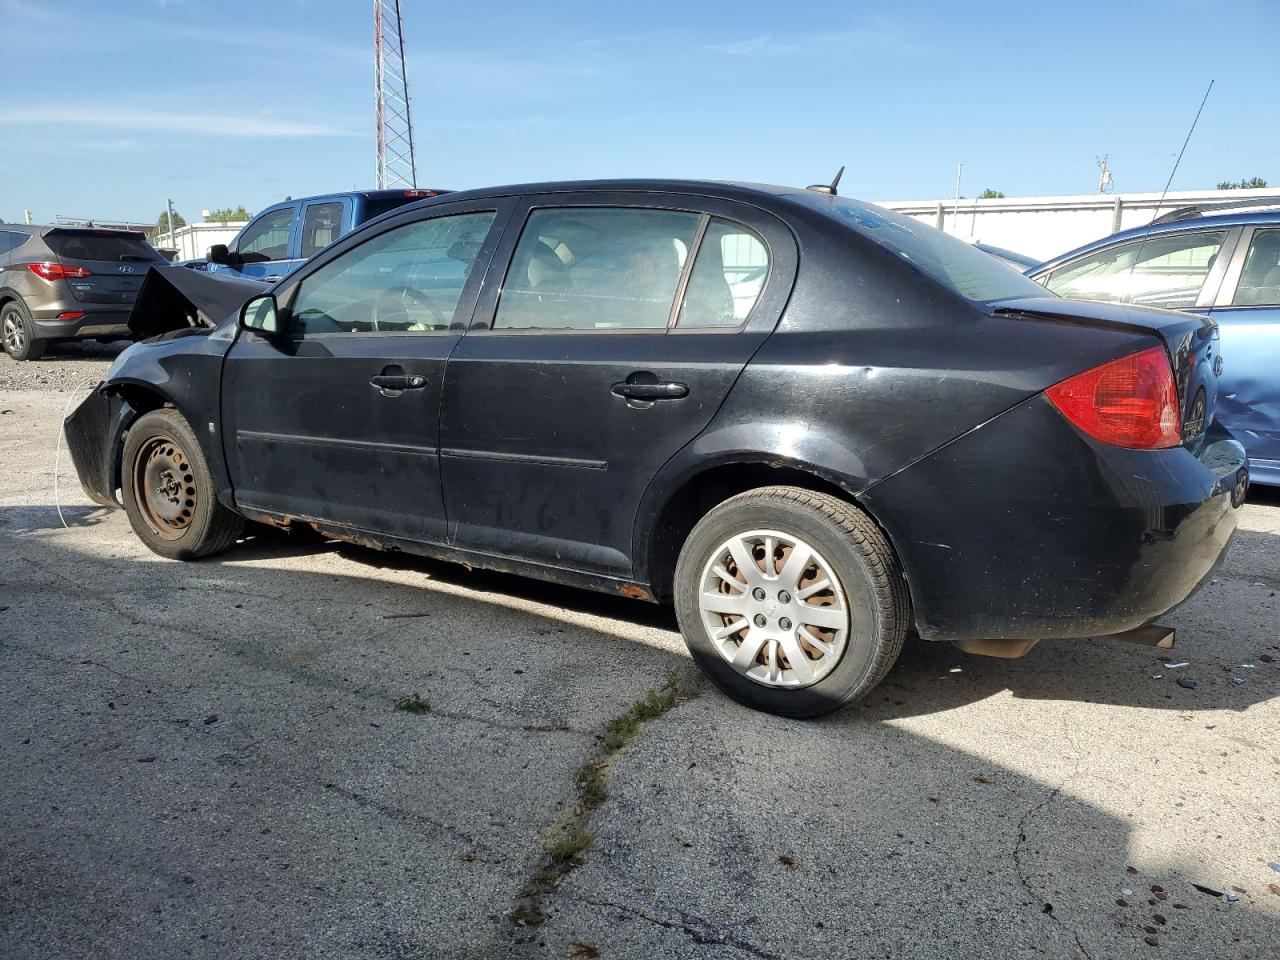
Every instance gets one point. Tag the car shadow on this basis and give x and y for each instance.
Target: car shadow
(244, 814)
(929, 677)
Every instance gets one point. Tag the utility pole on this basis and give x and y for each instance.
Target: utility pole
(26, 217)
(1104, 175)
(172, 240)
(955, 210)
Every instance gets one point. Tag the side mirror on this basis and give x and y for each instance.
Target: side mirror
(259, 315)
(219, 253)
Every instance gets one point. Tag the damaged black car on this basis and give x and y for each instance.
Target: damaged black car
(813, 425)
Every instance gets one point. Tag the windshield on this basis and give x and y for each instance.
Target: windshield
(970, 272)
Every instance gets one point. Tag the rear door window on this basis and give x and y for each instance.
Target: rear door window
(596, 269)
(110, 247)
(321, 225)
(267, 238)
(1259, 284)
(1159, 271)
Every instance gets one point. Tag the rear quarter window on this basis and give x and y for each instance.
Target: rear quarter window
(959, 266)
(115, 248)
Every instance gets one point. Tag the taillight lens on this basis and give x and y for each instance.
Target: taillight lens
(56, 271)
(1129, 402)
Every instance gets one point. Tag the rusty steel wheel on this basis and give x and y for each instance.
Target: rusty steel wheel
(168, 491)
(774, 608)
(164, 478)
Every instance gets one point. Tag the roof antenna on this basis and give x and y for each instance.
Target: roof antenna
(824, 188)
(1147, 233)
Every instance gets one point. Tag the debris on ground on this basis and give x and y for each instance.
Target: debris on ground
(1231, 895)
(1237, 680)
(1177, 666)
(1274, 866)
(1248, 666)
(1207, 890)
(1186, 682)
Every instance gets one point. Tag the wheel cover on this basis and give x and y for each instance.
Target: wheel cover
(774, 609)
(166, 487)
(15, 335)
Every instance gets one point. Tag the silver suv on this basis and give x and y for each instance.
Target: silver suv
(59, 283)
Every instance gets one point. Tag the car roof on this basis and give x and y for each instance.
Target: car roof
(342, 194)
(1188, 224)
(718, 189)
(40, 229)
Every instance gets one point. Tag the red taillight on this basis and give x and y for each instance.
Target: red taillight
(56, 271)
(1129, 402)
(421, 193)
(71, 315)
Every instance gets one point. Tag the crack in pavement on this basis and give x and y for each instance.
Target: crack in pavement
(699, 934)
(1023, 877)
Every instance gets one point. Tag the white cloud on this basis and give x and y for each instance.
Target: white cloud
(115, 118)
(814, 44)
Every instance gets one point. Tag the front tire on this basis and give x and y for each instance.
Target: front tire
(791, 601)
(169, 493)
(18, 333)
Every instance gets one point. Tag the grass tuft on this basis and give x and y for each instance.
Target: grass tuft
(413, 704)
(568, 848)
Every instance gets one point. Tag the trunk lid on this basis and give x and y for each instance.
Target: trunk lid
(1191, 340)
(116, 260)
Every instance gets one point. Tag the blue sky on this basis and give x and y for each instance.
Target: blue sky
(112, 106)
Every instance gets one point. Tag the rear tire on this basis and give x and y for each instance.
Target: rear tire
(820, 627)
(169, 493)
(19, 333)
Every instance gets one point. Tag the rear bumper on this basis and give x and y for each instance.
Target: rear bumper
(1026, 529)
(93, 432)
(98, 321)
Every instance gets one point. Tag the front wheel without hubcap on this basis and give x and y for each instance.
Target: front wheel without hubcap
(169, 492)
(791, 601)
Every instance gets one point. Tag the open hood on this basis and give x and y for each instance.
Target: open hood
(173, 298)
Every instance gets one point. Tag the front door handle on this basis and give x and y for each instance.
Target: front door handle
(386, 381)
(651, 391)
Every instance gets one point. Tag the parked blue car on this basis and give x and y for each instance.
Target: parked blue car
(1221, 260)
(282, 237)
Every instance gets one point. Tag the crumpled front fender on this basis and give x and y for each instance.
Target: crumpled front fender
(93, 431)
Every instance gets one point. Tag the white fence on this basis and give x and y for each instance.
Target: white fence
(1044, 227)
(194, 240)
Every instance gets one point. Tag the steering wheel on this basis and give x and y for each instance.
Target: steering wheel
(404, 293)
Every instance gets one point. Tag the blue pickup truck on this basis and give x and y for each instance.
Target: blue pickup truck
(280, 238)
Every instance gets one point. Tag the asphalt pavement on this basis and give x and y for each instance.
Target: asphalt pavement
(207, 760)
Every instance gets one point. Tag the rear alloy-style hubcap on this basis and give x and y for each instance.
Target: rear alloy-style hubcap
(774, 608)
(163, 477)
(15, 337)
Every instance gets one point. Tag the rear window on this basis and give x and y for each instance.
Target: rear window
(112, 247)
(376, 208)
(970, 272)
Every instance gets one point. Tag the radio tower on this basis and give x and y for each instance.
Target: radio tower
(395, 164)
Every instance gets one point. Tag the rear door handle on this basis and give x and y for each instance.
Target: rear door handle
(386, 381)
(651, 391)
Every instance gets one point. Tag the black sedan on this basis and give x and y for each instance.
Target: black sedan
(812, 424)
